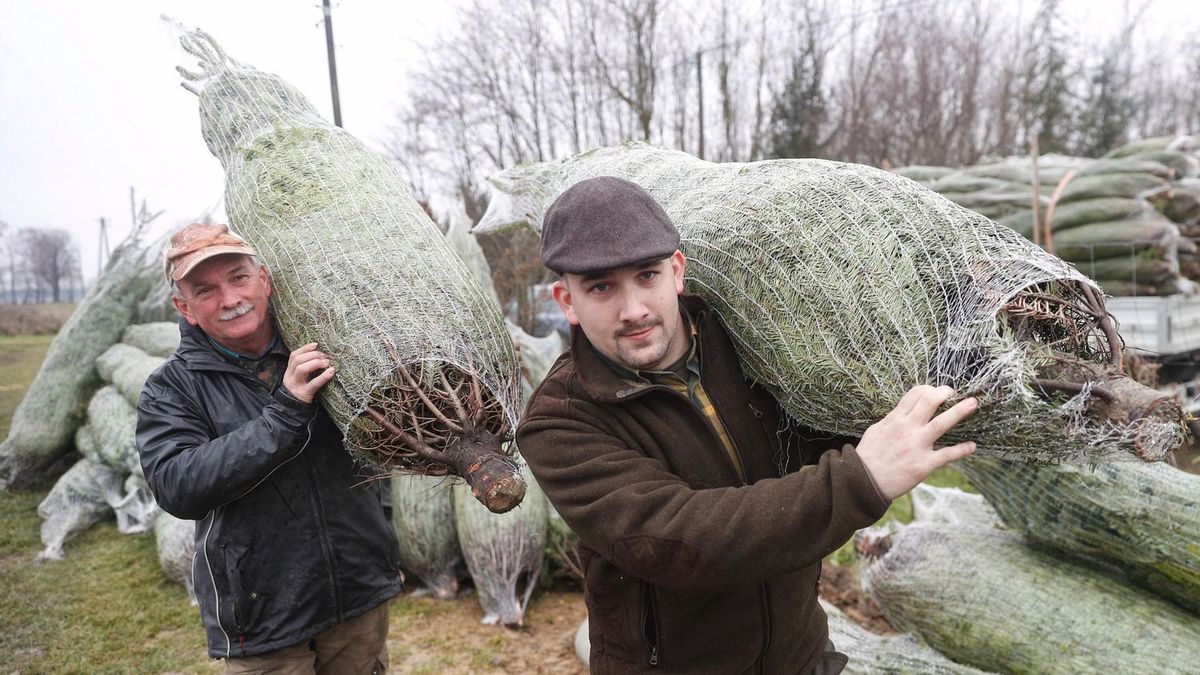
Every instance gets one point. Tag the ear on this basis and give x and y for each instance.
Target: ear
(266, 278)
(678, 265)
(562, 295)
(183, 309)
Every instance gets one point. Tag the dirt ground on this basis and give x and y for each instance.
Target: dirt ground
(438, 636)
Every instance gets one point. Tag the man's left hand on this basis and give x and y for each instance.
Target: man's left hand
(307, 371)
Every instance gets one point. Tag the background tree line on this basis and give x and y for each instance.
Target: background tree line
(38, 265)
(880, 82)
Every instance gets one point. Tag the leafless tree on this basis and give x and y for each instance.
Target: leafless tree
(53, 259)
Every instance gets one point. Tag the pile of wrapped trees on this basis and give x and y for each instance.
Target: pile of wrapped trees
(1073, 572)
(1128, 220)
(108, 479)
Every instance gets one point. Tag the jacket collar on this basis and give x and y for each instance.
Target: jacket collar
(603, 383)
(198, 352)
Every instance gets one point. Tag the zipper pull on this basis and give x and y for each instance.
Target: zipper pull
(654, 655)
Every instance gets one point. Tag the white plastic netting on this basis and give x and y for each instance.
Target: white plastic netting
(423, 517)
(1141, 518)
(359, 268)
(175, 541)
(843, 286)
(984, 598)
(503, 552)
(872, 654)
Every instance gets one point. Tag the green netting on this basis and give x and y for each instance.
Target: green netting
(843, 286)
(44, 424)
(360, 269)
(982, 597)
(126, 367)
(1141, 518)
(503, 551)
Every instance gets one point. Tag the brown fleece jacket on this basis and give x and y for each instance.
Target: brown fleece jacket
(688, 570)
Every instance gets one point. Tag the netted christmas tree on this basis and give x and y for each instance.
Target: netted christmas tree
(843, 286)
(427, 379)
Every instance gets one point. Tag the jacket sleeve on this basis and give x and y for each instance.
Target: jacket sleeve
(191, 471)
(633, 511)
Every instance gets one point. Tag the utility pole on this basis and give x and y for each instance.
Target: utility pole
(102, 249)
(333, 85)
(700, 97)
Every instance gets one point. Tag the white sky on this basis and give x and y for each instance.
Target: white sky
(90, 103)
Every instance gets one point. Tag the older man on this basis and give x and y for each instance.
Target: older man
(294, 557)
(701, 556)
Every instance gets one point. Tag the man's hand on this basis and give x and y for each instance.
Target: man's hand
(899, 449)
(307, 371)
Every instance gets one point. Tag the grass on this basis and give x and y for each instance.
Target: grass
(20, 358)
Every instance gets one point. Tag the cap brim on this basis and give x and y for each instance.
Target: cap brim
(184, 266)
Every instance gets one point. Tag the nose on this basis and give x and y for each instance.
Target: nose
(633, 307)
(228, 297)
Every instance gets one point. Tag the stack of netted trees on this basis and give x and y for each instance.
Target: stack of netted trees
(1127, 220)
(1101, 581)
(108, 479)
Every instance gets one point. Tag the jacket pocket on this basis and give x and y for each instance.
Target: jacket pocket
(650, 631)
(234, 609)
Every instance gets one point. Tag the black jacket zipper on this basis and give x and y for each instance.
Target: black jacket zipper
(650, 625)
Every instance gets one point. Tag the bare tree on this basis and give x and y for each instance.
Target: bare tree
(632, 74)
(53, 259)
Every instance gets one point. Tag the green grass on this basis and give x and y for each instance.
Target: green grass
(106, 607)
(20, 358)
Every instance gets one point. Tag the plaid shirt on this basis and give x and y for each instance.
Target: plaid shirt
(684, 378)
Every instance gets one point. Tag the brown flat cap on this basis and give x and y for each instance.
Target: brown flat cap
(604, 223)
(196, 243)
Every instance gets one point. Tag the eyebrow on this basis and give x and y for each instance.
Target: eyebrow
(647, 264)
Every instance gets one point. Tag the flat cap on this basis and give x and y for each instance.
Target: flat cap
(604, 223)
(196, 243)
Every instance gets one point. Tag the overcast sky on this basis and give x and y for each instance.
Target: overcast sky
(91, 103)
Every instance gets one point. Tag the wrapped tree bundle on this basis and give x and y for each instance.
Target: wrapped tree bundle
(112, 420)
(44, 424)
(1180, 143)
(583, 643)
(982, 597)
(1082, 212)
(427, 379)
(872, 654)
(1114, 239)
(160, 338)
(1116, 185)
(126, 367)
(924, 174)
(503, 551)
(423, 517)
(951, 506)
(82, 497)
(1143, 519)
(175, 540)
(843, 286)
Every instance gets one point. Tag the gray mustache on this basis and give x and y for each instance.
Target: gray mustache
(236, 312)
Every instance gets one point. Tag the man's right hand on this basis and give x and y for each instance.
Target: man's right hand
(899, 449)
(307, 371)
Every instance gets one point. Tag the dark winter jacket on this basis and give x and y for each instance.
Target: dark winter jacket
(289, 539)
(689, 570)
